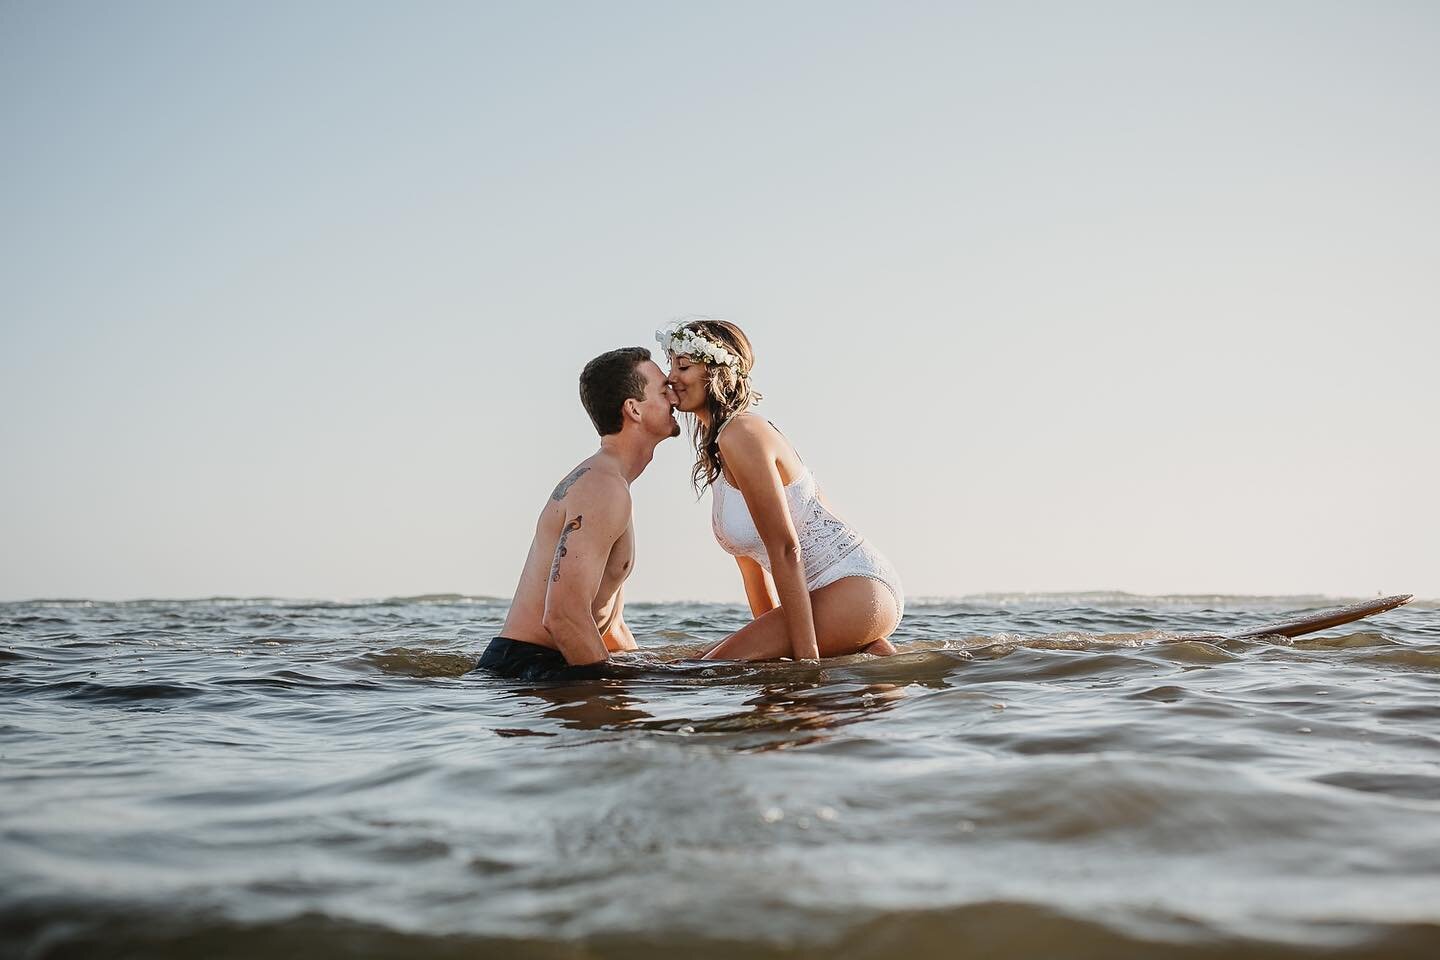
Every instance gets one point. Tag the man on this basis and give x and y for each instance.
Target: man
(567, 614)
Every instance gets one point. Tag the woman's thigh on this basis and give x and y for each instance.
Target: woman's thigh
(849, 614)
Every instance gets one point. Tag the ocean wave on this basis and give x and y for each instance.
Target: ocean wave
(55, 928)
(96, 692)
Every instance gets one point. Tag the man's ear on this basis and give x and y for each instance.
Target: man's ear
(631, 408)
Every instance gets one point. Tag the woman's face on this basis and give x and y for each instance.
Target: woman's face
(690, 381)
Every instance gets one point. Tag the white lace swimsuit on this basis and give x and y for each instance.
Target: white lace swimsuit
(829, 547)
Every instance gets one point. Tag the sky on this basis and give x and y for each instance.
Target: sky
(1051, 296)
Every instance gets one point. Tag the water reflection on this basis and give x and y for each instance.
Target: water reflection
(588, 705)
(797, 715)
(779, 716)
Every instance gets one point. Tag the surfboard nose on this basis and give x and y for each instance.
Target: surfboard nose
(1324, 619)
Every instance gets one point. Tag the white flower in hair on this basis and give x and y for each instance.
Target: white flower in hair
(679, 341)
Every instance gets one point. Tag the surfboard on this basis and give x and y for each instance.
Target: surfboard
(1324, 619)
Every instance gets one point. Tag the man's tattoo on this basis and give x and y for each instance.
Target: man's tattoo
(570, 528)
(563, 487)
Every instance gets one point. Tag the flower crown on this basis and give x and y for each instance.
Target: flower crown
(679, 341)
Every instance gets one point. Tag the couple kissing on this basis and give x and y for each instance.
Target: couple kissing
(816, 587)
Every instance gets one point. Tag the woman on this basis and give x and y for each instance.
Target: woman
(816, 587)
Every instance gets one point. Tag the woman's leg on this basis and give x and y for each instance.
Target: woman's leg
(850, 614)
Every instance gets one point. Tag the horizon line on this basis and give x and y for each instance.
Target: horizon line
(439, 598)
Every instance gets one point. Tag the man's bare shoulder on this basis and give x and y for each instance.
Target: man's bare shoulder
(592, 481)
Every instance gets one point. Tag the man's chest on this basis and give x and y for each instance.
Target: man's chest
(622, 557)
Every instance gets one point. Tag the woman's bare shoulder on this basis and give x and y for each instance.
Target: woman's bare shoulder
(745, 433)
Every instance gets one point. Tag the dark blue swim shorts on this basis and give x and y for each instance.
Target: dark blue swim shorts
(519, 660)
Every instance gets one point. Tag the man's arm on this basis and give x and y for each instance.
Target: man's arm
(597, 513)
(619, 637)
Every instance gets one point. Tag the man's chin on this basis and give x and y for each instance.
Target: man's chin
(674, 429)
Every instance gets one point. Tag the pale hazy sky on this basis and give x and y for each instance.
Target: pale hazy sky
(1051, 296)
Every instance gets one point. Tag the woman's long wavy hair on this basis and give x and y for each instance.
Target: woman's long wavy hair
(728, 393)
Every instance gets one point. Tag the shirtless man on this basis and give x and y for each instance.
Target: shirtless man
(567, 615)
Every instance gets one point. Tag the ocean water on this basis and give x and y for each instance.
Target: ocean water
(1034, 776)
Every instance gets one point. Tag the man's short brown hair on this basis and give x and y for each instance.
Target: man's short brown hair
(607, 382)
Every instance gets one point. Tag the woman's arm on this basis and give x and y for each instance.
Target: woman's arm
(758, 588)
(750, 455)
